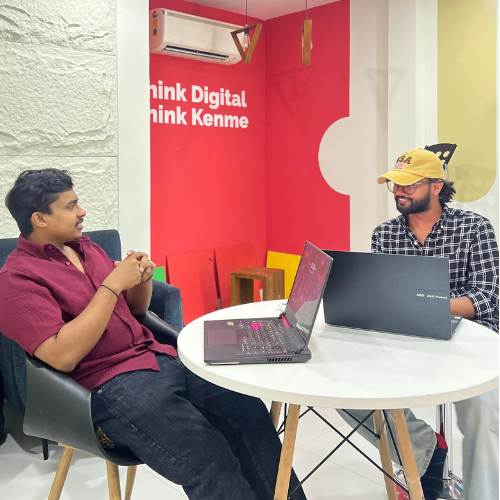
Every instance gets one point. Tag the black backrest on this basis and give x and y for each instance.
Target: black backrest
(7, 246)
(444, 152)
(107, 239)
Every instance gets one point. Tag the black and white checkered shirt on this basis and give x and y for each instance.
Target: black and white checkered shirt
(469, 241)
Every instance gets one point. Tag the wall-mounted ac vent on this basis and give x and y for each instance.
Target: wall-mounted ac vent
(183, 35)
(283, 359)
(180, 51)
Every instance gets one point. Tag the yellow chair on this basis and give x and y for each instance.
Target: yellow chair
(286, 261)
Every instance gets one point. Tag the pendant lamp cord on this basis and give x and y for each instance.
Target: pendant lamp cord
(246, 12)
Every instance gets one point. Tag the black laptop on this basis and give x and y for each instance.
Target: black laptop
(282, 339)
(403, 294)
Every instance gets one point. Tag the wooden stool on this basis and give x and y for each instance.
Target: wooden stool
(273, 281)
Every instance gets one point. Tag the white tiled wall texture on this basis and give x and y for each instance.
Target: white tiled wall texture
(58, 100)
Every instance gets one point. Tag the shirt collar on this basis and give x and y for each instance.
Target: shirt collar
(42, 250)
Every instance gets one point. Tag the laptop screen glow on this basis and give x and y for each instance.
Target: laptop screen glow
(307, 288)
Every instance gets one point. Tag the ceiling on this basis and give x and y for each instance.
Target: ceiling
(263, 9)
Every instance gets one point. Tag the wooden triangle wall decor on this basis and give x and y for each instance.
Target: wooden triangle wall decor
(248, 56)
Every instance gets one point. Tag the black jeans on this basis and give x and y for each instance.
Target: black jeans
(2, 420)
(217, 444)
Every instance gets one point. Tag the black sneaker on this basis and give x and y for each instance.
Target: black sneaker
(433, 487)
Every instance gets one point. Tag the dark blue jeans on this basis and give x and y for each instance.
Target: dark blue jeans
(217, 444)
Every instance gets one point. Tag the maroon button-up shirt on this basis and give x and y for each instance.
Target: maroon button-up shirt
(41, 291)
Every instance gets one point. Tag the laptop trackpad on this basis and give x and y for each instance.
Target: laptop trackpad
(222, 337)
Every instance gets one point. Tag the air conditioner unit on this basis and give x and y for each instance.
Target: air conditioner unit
(182, 35)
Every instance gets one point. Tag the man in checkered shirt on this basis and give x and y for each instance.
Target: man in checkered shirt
(428, 227)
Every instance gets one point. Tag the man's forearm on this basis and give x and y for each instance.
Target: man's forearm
(77, 338)
(139, 297)
(463, 306)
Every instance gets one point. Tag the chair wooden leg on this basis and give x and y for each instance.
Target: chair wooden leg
(385, 454)
(407, 456)
(275, 413)
(131, 472)
(285, 467)
(113, 481)
(61, 473)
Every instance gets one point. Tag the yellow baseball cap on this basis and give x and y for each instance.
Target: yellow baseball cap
(413, 166)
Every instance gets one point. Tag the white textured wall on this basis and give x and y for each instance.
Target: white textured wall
(95, 180)
(58, 96)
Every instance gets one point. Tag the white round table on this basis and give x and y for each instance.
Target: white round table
(356, 369)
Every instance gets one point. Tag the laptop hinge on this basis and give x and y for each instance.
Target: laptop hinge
(297, 336)
(303, 347)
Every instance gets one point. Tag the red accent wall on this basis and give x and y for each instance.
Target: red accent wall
(214, 187)
(301, 103)
(208, 183)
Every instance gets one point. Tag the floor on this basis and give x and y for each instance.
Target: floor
(345, 476)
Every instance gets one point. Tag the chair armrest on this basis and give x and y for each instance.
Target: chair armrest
(161, 330)
(166, 303)
(59, 408)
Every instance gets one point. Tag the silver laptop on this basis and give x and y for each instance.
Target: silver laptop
(282, 339)
(394, 293)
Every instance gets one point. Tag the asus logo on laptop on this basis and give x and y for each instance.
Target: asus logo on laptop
(431, 294)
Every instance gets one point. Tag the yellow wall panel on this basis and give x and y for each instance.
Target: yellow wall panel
(286, 261)
(467, 44)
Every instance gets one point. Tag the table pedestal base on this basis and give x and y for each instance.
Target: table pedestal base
(285, 467)
(385, 454)
(403, 438)
(275, 413)
(407, 456)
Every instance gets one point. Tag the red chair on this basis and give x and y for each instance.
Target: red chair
(193, 273)
(228, 259)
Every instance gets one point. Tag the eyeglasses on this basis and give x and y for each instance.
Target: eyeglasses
(393, 187)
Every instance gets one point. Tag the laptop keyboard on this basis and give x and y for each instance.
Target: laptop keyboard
(262, 337)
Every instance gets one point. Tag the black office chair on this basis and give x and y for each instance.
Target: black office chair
(444, 152)
(59, 409)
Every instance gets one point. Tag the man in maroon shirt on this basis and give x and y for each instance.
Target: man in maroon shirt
(66, 303)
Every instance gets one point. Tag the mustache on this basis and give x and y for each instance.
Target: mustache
(80, 221)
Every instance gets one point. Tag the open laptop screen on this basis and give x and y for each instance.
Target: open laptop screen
(307, 289)
(404, 294)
